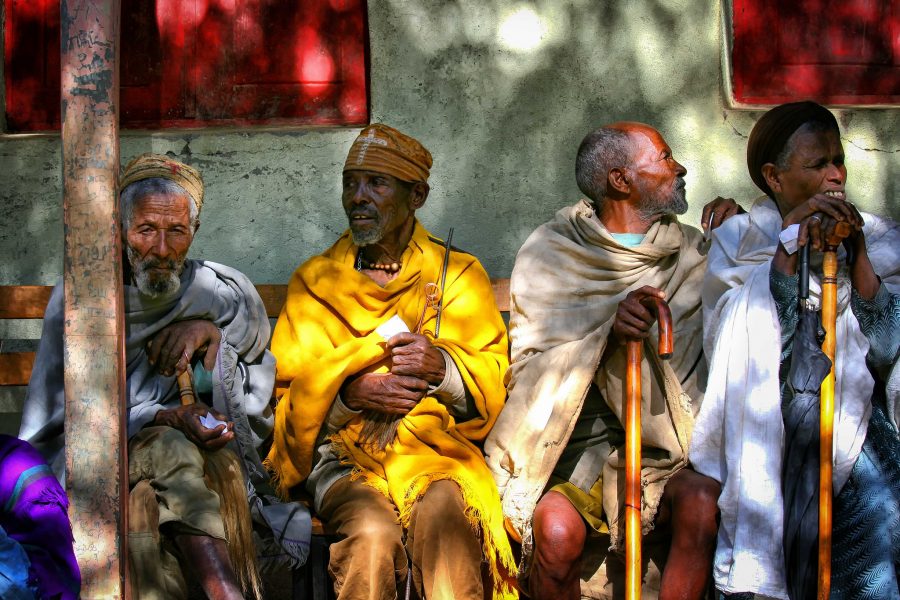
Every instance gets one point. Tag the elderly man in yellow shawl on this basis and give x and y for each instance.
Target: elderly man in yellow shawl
(393, 372)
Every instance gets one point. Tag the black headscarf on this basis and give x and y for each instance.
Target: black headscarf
(773, 130)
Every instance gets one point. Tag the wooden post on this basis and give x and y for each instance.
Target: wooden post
(96, 459)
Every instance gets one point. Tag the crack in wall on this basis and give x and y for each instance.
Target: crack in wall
(855, 145)
(733, 128)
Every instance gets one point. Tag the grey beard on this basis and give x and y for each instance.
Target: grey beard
(154, 286)
(374, 234)
(656, 205)
(368, 237)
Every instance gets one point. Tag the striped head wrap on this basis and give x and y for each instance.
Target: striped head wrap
(148, 166)
(383, 149)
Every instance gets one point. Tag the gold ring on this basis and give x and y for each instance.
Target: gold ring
(185, 355)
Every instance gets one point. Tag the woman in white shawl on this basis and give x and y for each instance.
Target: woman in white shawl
(749, 296)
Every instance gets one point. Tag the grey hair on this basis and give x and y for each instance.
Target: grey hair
(146, 187)
(784, 157)
(601, 151)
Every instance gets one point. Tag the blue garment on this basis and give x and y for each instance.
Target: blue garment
(865, 562)
(13, 570)
(629, 240)
(866, 531)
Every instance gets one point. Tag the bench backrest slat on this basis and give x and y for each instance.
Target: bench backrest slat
(24, 301)
(30, 301)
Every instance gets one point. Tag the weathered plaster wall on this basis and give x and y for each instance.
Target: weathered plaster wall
(503, 125)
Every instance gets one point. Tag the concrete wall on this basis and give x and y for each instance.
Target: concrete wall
(501, 92)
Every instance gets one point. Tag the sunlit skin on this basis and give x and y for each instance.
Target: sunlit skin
(381, 213)
(688, 508)
(653, 170)
(811, 192)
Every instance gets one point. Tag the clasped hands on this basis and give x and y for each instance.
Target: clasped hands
(818, 218)
(415, 365)
(171, 352)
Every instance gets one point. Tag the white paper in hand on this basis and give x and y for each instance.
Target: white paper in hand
(210, 422)
(392, 327)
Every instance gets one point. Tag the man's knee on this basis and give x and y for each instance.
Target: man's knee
(163, 452)
(559, 531)
(442, 500)
(695, 501)
(376, 535)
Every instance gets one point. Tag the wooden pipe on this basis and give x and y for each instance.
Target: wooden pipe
(826, 407)
(665, 348)
(186, 388)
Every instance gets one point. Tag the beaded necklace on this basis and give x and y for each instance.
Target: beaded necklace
(389, 267)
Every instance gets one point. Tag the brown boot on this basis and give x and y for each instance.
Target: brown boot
(207, 558)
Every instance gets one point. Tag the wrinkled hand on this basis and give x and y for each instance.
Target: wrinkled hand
(173, 348)
(384, 393)
(187, 420)
(414, 355)
(633, 320)
(818, 218)
(718, 211)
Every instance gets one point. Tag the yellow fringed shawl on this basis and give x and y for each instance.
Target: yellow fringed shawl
(326, 333)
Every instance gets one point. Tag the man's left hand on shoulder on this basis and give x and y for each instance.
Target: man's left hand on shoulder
(414, 355)
(718, 211)
(173, 348)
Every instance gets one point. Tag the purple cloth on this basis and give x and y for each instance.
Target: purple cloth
(33, 511)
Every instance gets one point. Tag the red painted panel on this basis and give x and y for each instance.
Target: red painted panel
(193, 63)
(32, 76)
(837, 53)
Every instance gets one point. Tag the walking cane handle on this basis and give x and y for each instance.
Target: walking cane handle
(841, 230)
(666, 344)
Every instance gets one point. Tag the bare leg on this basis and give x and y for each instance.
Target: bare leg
(689, 507)
(207, 558)
(559, 535)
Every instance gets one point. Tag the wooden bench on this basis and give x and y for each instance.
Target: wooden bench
(28, 302)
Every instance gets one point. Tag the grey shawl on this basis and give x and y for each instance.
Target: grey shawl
(243, 379)
(566, 285)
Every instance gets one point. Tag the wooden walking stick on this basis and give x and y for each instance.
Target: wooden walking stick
(223, 474)
(633, 443)
(826, 407)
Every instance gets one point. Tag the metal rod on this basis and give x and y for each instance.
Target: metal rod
(803, 291)
(440, 306)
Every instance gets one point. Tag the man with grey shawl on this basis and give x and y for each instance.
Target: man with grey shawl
(557, 449)
(181, 314)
